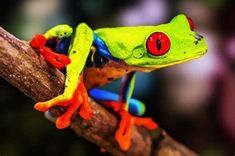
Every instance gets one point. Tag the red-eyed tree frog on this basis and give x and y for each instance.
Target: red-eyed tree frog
(95, 58)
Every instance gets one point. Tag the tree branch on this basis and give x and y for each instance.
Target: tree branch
(25, 69)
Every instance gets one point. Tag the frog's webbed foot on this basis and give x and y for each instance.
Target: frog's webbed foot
(124, 131)
(79, 100)
(127, 118)
(57, 60)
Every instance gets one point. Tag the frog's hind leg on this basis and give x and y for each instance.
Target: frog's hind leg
(123, 104)
(124, 132)
(111, 100)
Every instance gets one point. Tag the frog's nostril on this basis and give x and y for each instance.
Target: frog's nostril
(198, 37)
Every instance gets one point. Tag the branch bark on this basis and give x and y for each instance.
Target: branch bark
(25, 69)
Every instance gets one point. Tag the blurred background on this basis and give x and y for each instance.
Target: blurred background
(194, 101)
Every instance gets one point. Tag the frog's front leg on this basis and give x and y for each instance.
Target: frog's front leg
(75, 94)
(39, 42)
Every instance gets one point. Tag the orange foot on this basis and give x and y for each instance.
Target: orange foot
(57, 60)
(78, 100)
(124, 131)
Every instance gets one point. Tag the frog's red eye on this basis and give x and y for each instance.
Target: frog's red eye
(191, 24)
(158, 44)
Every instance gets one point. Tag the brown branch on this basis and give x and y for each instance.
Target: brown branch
(25, 69)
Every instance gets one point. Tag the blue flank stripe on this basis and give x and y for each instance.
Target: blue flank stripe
(102, 48)
(63, 47)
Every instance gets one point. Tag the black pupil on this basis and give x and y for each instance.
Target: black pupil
(159, 45)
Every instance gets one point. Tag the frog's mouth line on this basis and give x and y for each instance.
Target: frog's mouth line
(177, 62)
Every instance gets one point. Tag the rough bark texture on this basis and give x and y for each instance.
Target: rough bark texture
(25, 69)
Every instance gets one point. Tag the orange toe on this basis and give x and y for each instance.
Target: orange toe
(40, 106)
(62, 122)
(85, 113)
(124, 132)
(146, 122)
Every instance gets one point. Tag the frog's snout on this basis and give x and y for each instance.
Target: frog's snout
(198, 37)
(200, 43)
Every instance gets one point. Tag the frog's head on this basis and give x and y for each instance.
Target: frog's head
(168, 44)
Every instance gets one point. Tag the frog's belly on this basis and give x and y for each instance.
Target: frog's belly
(99, 76)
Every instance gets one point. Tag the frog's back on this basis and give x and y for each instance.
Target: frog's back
(122, 40)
